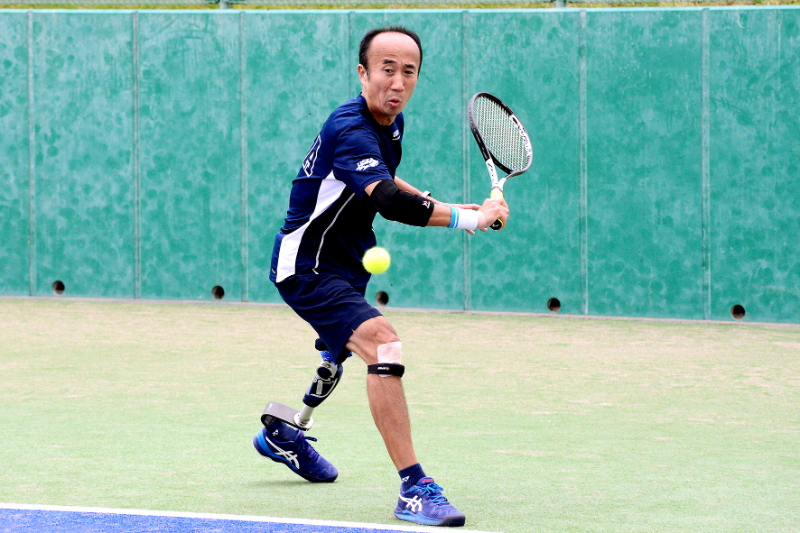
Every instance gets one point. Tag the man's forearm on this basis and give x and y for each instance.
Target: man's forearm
(405, 186)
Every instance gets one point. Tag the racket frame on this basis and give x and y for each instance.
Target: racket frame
(492, 163)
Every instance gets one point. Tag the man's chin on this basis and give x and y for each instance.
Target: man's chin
(394, 111)
(388, 114)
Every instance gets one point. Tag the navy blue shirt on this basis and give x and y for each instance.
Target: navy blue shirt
(329, 223)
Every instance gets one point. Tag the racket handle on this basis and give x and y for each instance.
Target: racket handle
(497, 194)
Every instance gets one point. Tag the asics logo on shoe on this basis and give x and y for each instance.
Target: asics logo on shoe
(289, 456)
(275, 433)
(415, 504)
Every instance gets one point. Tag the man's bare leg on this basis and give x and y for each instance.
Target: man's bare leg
(386, 399)
(420, 499)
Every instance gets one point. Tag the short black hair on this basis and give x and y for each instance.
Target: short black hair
(363, 48)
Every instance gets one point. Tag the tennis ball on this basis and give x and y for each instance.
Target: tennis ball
(376, 260)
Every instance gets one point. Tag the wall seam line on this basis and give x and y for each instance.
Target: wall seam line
(31, 163)
(706, 167)
(584, 179)
(465, 172)
(351, 67)
(137, 198)
(245, 220)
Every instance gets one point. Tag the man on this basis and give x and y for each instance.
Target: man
(347, 178)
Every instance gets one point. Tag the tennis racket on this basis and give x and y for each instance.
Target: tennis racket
(503, 141)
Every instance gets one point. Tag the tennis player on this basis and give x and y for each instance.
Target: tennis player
(347, 177)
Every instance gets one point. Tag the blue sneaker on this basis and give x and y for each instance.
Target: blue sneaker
(424, 504)
(284, 444)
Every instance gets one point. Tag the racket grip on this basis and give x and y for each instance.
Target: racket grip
(496, 194)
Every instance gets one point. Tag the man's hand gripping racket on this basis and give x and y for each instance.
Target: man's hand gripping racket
(502, 139)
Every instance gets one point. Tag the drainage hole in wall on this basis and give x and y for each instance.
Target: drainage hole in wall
(58, 287)
(218, 292)
(554, 305)
(382, 298)
(737, 312)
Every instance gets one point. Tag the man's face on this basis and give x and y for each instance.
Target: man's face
(393, 61)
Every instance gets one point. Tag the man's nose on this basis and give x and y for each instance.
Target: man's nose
(397, 82)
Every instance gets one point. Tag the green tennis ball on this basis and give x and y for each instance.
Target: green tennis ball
(376, 260)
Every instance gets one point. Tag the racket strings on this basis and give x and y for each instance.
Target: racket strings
(502, 136)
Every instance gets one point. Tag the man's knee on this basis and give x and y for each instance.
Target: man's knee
(369, 336)
(383, 332)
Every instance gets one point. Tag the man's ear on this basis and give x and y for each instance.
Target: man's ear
(363, 74)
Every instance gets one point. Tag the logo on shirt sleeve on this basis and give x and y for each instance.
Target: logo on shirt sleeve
(364, 164)
(311, 158)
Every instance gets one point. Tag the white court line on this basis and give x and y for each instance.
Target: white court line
(212, 516)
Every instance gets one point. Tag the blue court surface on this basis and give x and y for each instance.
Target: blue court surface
(55, 519)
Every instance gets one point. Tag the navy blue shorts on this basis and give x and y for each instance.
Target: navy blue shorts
(332, 306)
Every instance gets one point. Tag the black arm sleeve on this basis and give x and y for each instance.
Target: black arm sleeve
(400, 206)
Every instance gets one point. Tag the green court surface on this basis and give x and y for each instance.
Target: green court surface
(531, 424)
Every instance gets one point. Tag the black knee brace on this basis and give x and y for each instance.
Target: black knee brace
(387, 369)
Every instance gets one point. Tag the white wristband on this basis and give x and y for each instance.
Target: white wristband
(463, 218)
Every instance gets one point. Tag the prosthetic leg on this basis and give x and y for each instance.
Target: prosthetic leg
(327, 377)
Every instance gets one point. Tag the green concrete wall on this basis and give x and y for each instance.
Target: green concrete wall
(149, 154)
